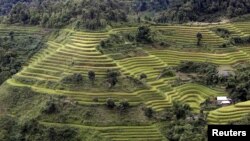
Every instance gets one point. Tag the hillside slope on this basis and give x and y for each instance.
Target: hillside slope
(99, 14)
(55, 89)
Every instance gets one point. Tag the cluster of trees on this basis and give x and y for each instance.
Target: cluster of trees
(167, 72)
(196, 67)
(178, 111)
(77, 78)
(182, 130)
(113, 81)
(96, 14)
(123, 106)
(195, 10)
(92, 14)
(31, 130)
(112, 78)
(14, 52)
(223, 32)
(6, 5)
(240, 40)
(184, 125)
(144, 35)
(238, 84)
(51, 107)
(207, 73)
(126, 44)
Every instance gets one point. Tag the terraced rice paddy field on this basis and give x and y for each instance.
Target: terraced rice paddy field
(229, 114)
(121, 133)
(173, 58)
(78, 54)
(24, 31)
(186, 35)
(242, 27)
(192, 94)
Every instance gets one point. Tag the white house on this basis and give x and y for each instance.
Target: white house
(223, 100)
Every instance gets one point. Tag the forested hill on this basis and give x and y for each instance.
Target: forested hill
(6, 5)
(97, 14)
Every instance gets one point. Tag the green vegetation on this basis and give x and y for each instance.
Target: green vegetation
(222, 32)
(15, 50)
(146, 82)
(144, 35)
(244, 121)
(32, 130)
(238, 84)
(229, 114)
(186, 36)
(97, 14)
(241, 40)
(174, 58)
(199, 37)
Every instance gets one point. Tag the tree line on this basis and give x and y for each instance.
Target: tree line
(194, 10)
(92, 14)
(98, 14)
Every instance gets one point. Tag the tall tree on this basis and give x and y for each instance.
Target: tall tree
(199, 37)
(91, 75)
(144, 35)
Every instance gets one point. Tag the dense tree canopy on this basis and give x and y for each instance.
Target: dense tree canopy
(14, 52)
(92, 14)
(96, 14)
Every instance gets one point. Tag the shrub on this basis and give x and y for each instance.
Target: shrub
(110, 103)
(112, 74)
(130, 37)
(240, 40)
(91, 75)
(181, 110)
(103, 44)
(50, 108)
(143, 76)
(112, 78)
(199, 37)
(135, 81)
(11, 34)
(123, 105)
(75, 78)
(222, 32)
(164, 44)
(148, 112)
(224, 45)
(30, 126)
(144, 35)
(95, 99)
(167, 72)
(196, 67)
